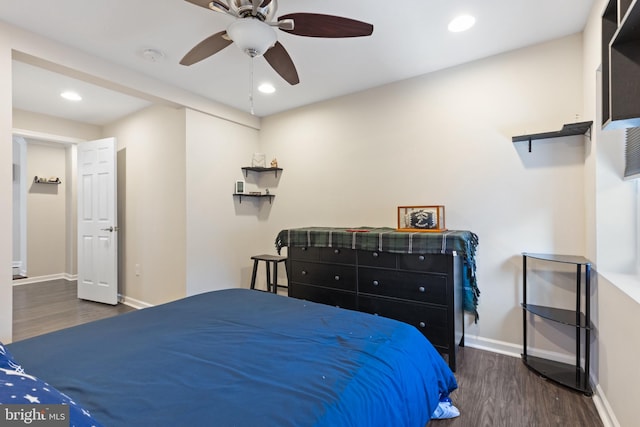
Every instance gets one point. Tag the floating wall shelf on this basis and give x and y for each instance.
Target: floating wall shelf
(41, 180)
(259, 169)
(241, 195)
(569, 129)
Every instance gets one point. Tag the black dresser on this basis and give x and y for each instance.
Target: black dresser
(422, 289)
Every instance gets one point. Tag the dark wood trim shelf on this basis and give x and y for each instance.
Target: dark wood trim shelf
(621, 64)
(259, 196)
(246, 170)
(569, 129)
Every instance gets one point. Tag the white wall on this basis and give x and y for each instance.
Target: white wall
(222, 233)
(445, 138)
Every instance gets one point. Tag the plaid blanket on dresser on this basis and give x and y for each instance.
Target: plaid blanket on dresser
(385, 239)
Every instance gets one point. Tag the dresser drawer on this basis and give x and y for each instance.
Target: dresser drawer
(338, 255)
(330, 255)
(327, 296)
(377, 259)
(431, 321)
(422, 287)
(328, 275)
(436, 263)
(303, 253)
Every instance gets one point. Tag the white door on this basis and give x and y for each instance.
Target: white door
(97, 222)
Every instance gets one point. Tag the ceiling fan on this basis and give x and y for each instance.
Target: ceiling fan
(253, 32)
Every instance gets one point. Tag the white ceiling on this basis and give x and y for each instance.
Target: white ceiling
(410, 38)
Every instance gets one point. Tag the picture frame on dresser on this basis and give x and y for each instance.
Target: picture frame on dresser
(421, 218)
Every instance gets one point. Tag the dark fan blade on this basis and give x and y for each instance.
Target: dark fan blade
(206, 48)
(328, 26)
(280, 61)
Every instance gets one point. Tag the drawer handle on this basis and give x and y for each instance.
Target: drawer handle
(304, 272)
(421, 258)
(375, 254)
(422, 324)
(336, 251)
(337, 277)
(376, 283)
(422, 289)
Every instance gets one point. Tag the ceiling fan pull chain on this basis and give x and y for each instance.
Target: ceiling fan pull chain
(251, 89)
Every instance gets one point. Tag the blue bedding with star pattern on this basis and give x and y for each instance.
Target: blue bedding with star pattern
(239, 357)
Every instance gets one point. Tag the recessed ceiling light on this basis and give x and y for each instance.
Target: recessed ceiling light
(461, 23)
(266, 88)
(71, 96)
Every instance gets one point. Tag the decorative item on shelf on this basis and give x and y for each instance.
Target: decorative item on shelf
(266, 191)
(274, 163)
(421, 218)
(255, 193)
(42, 180)
(258, 160)
(239, 187)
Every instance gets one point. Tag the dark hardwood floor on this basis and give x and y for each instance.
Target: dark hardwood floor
(39, 308)
(494, 390)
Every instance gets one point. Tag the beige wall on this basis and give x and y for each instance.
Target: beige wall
(152, 209)
(222, 233)
(445, 138)
(46, 210)
(613, 218)
(48, 127)
(6, 197)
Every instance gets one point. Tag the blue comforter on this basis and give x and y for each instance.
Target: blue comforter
(243, 358)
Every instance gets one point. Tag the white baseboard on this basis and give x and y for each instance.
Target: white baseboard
(39, 279)
(604, 409)
(132, 302)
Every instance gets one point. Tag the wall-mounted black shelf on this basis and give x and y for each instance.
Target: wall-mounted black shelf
(569, 129)
(246, 170)
(259, 196)
(40, 180)
(621, 64)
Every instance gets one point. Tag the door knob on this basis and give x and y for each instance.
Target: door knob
(110, 229)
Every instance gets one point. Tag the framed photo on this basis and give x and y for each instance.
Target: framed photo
(259, 160)
(421, 218)
(239, 187)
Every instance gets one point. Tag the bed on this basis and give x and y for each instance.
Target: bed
(233, 357)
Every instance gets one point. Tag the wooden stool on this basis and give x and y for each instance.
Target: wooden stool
(269, 260)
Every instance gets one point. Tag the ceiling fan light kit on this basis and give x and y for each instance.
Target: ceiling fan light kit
(252, 36)
(253, 32)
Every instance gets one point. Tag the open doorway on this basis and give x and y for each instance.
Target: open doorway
(43, 209)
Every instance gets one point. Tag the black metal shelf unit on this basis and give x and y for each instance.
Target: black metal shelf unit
(574, 376)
